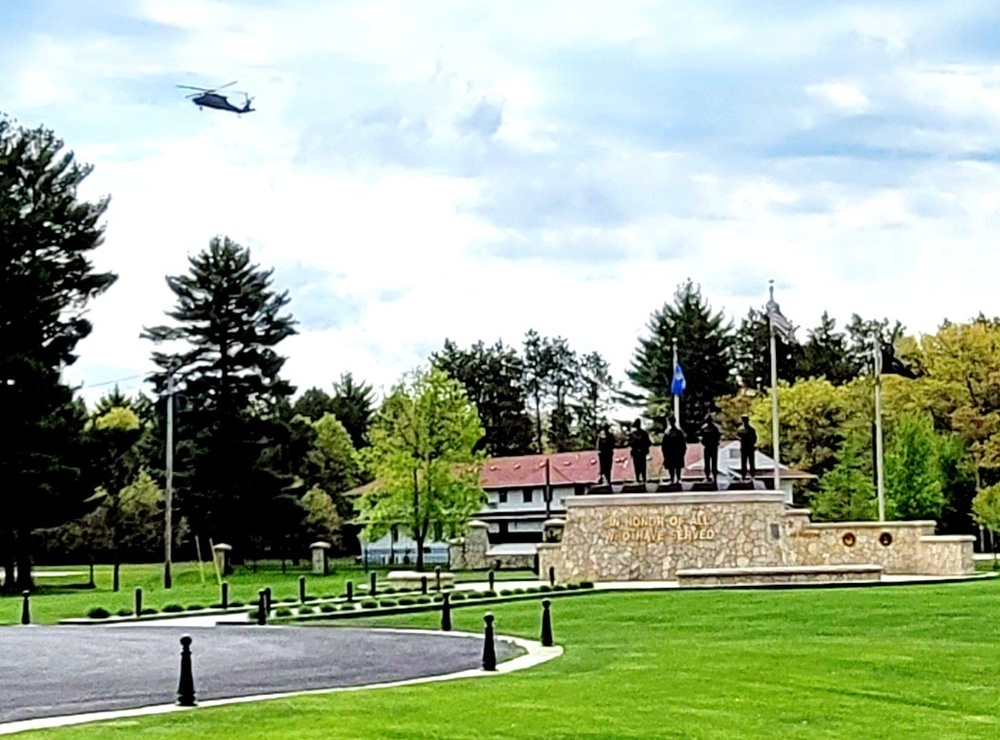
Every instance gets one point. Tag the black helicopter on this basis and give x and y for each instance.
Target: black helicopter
(211, 98)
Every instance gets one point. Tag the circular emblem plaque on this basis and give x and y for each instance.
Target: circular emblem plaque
(885, 539)
(849, 539)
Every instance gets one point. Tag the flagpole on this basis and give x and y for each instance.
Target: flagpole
(774, 405)
(677, 398)
(879, 452)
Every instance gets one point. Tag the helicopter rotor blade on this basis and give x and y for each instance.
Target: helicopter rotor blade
(192, 87)
(228, 84)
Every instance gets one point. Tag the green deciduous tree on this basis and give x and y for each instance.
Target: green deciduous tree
(704, 349)
(422, 455)
(228, 323)
(912, 473)
(986, 510)
(47, 236)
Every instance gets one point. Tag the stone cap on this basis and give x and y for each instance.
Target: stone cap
(554, 522)
(790, 570)
(478, 524)
(320, 545)
(948, 538)
(222, 547)
(694, 497)
(873, 525)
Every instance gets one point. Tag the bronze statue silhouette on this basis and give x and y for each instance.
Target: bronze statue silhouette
(639, 444)
(674, 448)
(748, 448)
(710, 437)
(605, 452)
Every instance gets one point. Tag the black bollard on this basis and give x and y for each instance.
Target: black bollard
(552, 575)
(546, 624)
(302, 589)
(91, 584)
(262, 607)
(492, 577)
(26, 609)
(225, 595)
(373, 589)
(437, 579)
(423, 584)
(185, 688)
(489, 648)
(446, 613)
(267, 600)
(350, 591)
(138, 602)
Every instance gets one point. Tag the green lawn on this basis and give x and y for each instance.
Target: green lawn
(59, 598)
(914, 661)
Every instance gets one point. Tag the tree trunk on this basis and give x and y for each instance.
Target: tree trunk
(419, 539)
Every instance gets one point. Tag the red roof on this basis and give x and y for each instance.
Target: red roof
(582, 467)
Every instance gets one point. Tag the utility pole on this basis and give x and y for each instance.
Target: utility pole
(168, 496)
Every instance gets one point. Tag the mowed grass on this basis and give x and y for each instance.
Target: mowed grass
(913, 661)
(60, 598)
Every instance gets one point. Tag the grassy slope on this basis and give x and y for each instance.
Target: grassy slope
(908, 661)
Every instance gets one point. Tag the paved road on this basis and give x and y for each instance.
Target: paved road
(52, 671)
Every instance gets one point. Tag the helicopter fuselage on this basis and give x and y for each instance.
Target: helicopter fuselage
(219, 102)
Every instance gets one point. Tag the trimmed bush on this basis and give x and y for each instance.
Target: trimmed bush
(306, 610)
(235, 604)
(421, 600)
(407, 601)
(98, 612)
(215, 606)
(172, 608)
(519, 591)
(545, 588)
(387, 602)
(559, 587)
(327, 608)
(195, 607)
(586, 584)
(149, 611)
(505, 592)
(573, 586)
(331, 596)
(369, 604)
(489, 594)
(436, 598)
(283, 611)
(348, 607)
(458, 596)
(388, 590)
(532, 590)
(475, 595)
(124, 612)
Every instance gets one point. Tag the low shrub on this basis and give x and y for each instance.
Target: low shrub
(545, 588)
(124, 612)
(586, 584)
(369, 604)
(573, 586)
(489, 594)
(421, 600)
(172, 608)
(283, 611)
(435, 597)
(389, 590)
(327, 608)
(387, 602)
(519, 591)
(532, 590)
(236, 604)
(195, 607)
(458, 596)
(505, 592)
(98, 612)
(348, 607)
(149, 611)
(559, 587)
(303, 610)
(215, 606)
(475, 595)
(330, 596)
(407, 601)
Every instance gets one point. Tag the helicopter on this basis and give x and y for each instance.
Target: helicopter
(211, 98)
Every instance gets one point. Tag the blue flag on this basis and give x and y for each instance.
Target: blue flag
(679, 384)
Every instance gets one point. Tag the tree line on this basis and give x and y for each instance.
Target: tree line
(265, 470)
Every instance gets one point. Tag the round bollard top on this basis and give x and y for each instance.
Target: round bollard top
(546, 603)
(186, 640)
(26, 592)
(488, 619)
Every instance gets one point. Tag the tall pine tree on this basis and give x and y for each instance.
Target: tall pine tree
(47, 279)
(229, 323)
(704, 351)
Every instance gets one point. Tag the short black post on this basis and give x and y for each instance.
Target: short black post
(267, 600)
(489, 649)
(26, 609)
(437, 578)
(225, 594)
(373, 589)
(302, 589)
(446, 613)
(350, 591)
(492, 577)
(91, 584)
(185, 688)
(262, 607)
(552, 575)
(423, 584)
(546, 624)
(138, 602)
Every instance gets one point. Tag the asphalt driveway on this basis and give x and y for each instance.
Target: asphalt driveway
(53, 671)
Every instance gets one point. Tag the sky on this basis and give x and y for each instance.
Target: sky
(472, 170)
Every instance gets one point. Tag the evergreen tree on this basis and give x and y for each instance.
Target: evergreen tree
(538, 362)
(494, 381)
(596, 387)
(353, 404)
(47, 236)
(752, 353)
(229, 323)
(704, 349)
(563, 383)
(313, 404)
(826, 354)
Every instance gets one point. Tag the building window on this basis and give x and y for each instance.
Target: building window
(529, 494)
(503, 497)
(502, 528)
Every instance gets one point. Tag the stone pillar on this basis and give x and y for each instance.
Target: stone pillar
(221, 554)
(553, 529)
(320, 557)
